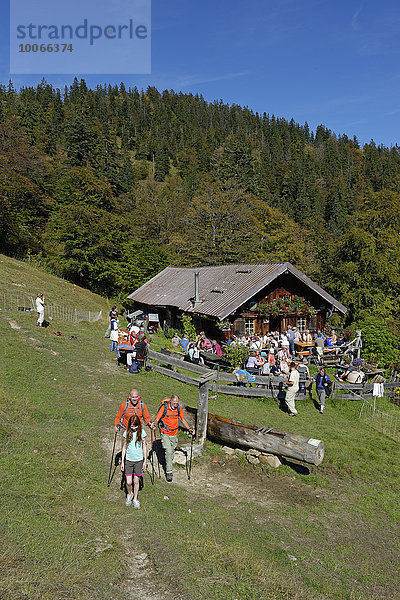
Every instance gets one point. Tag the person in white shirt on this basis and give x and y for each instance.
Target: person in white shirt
(256, 344)
(40, 304)
(293, 388)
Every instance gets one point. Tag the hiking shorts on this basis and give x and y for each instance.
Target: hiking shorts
(134, 467)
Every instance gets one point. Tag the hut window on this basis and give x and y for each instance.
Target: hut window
(249, 326)
(301, 324)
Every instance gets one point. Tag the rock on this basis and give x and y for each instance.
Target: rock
(166, 498)
(253, 460)
(239, 451)
(179, 458)
(270, 459)
(227, 485)
(292, 557)
(228, 450)
(253, 452)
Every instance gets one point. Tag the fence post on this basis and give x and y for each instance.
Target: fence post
(202, 413)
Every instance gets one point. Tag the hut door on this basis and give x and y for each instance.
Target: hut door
(274, 323)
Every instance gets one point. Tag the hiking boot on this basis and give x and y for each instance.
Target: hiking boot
(136, 504)
(128, 500)
(168, 476)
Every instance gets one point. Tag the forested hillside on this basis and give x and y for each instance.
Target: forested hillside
(110, 185)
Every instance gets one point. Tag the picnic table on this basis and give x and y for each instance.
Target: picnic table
(304, 345)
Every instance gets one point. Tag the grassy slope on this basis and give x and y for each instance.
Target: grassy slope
(58, 399)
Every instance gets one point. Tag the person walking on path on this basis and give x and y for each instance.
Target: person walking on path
(40, 304)
(134, 458)
(167, 417)
(323, 387)
(293, 383)
(113, 314)
(133, 406)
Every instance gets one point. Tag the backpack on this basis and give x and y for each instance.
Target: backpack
(165, 405)
(134, 368)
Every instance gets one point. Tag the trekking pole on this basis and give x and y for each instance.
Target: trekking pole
(111, 463)
(190, 460)
(152, 460)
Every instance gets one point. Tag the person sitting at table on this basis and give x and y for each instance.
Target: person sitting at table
(184, 343)
(271, 356)
(141, 346)
(306, 337)
(206, 344)
(284, 367)
(340, 341)
(133, 328)
(259, 358)
(256, 344)
(193, 354)
(216, 348)
(273, 341)
(175, 340)
(274, 370)
(329, 341)
(319, 334)
(252, 361)
(334, 337)
(349, 368)
(266, 368)
(281, 354)
(297, 335)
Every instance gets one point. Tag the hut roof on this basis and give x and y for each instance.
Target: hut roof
(222, 289)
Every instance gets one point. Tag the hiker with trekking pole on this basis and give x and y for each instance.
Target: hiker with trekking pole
(167, 418)
(133, 405)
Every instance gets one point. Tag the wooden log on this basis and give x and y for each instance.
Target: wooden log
(264, 439)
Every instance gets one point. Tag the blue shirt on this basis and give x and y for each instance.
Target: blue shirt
(184, 343)
(321, 380)
(134, 451)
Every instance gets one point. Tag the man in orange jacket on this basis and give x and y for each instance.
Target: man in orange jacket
(168, 417)
(132, 406)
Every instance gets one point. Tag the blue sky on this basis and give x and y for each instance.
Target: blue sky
(320, 61)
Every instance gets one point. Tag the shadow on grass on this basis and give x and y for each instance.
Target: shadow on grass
(298, 468)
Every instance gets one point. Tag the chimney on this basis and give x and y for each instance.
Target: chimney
(197, 300)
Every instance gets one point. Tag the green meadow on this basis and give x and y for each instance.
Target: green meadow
(233, 531)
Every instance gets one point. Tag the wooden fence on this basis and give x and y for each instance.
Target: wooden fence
(18, 300)
(267, 386)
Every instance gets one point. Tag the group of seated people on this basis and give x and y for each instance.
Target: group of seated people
(137, 339)
(287, 341)
(194, 348)
(273, 362)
